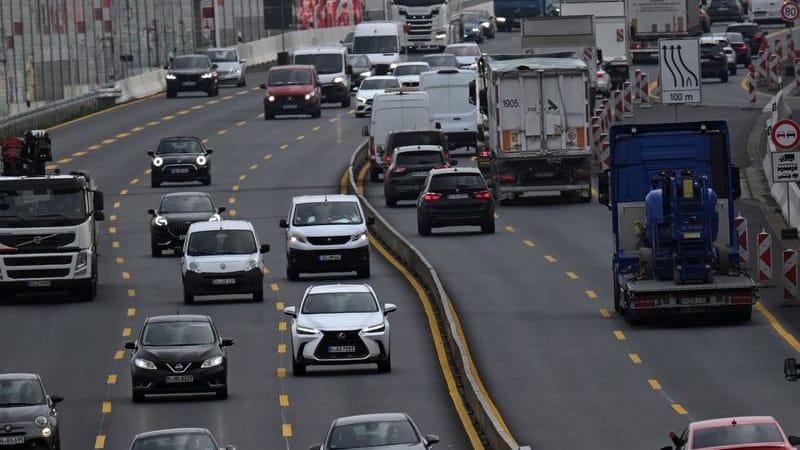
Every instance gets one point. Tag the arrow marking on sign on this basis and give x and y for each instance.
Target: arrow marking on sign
(675, 64)
(688, 69)
(672, 72)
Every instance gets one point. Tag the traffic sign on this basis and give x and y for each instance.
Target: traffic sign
(679, 70)
(790, 11)
(785, 167)
(785, 134)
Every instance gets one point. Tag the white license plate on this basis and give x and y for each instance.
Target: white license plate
(190, 83)
(694, 301)
(330, 257)
(179, 379)
(39, 283)
(289, 106)
(341, 349)
(223, 281)
(12, 440)
(419, 174)
(457, 196)
(181, 170)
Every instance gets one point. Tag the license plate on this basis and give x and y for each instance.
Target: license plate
(289, 106)
(457, 196)
(330, 257)
(181, 170)
(342, 349)
(13, 440)
(223, 281)
(179, 379)
(39, 283)
(419, 174)
(189, 83)
(545, 174)
(694, 301)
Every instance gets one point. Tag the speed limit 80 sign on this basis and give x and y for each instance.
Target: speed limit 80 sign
(790, 11)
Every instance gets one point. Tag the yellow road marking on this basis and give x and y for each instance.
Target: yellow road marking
(283, 400)
(167, 117)
(591, 294)
(232, 212)
(301, 137)
(148, 171)
(131, 292)
(275, 287)
(117, 205)
(115, 244)
(316, 128)
(281, 372)
(108, 141)
(222, 131)
(99, 442)
(212, 102)
(227, 97)
(197, 107)
(529, 243)
(111, 379)
(496, 216)
(126, 276)
(51, 166)
(112, 230)
(134, 181)
(79, 119)
(549, 258)
(183, 112)
(351, 111)
(265, 270)
(204, 141)
(120, 260)
(635, 358)
(654, 384)
(788, 337)
(123, 192)
(241, 93)
(80, 153)
(131, 312)
(119, 354)
(242, 177)
(137, 129)
(94, 147)
(235, 187)
(64, 160)
(153, 123)
(284, 146)
(679, 409)
(106, 407)
(126, 332)
(619, 335)
(268, 156)
(333, 120)
(231, 200)
(123, 135)
(282, 325)
(286, 429)
(279, 306)
(510, 229)
(281, 348)
(604, 313)
(253, 166)
(572, 275)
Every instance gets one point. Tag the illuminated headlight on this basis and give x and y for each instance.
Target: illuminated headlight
(296, 238)
(378, 328)
(475, 29)
(361, 99)
(310, 95)
(307, 331)
(365, 74)
(500, 19)
(338, 80)
(193, 267)
(46, 432)
(144, 364)
(207, 75)
(441, 35)
(212, 362)
(485, 24)
(358, 237)
(158, 161)
(160, 221)
(238, 70)
(392, 66)
(201, 160)
(40, 421)
(171, 76)
(271, 98)
(251, 264)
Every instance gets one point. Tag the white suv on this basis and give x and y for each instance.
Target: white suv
(326, 233)
(222, 257)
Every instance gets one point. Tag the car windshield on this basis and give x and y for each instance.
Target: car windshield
(222, 56)
(381, 83)
(340, 302)
(190, 62)
(359, 60)
(420, 157)
(175, 441)
(221, 242)
(411, 69)
(739, 434)
(735, 38)
(179, 146)
(186, 204)
(709, 49)
(326, 213)
(465, 50)
(21, 393)
(182, 332)
(285, 77)
(746, 30)
(457, 181)
(441, 61)
(41, 203)
(326, 63)
(450, 103)
(348, 37)
(375, 44)
(372, 434)
(414, 138)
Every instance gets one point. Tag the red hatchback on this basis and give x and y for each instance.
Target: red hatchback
(734, 433)
(293, 89)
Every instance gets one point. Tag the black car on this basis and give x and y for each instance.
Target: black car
(182, 158)
(177, 439)
(361, 67)
(472, 28)
(737, 43)
(192, 73)
(408, 170)
(713, 60)
(177, 354)
(397, 139)
(454, 196)
(27, 413)
(488, 25)
(725, 11)
(175, 212)
(751, 32)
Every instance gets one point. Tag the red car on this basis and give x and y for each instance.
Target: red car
(293, 89)
(734, 433)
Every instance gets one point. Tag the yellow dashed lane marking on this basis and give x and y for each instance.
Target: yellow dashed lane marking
(212, 102)
(167, 117)
(275, 287)
(111, 379)
(197, 107)
(679, 409)
(242, 93)
(282, 325)
(333, 120)
(117, 205)
(126, 332)
(510, 229)
(115, 244)
(284, 146)
(635, 358)
(123, 135)
(112, 217)
(238, 124)
(232, 200)
(268, 156)
(183, 112)
(108, 141)
(123, 192)
(204, 141)
(605, 314)
(137, 129)
(64, 160)
(94, 147)
(572, 275)
(281, 348)
(235, 187)
(232, 212)
(106, 407)
(265, 270)
(80, 153)
(550, 258)
(253, 166)
(131, 312)
(283, 400)
(131, 292)
(227, 97)
(619, 335)
(153, 123)
(100, 442)
(120, 260)
(148, 171)
(286, 429)
(126, 276)
(51, 166)
(529, 243)
(316, 128)
(654, 384)
(301, 137)
(112, 230)
(222, 131)
(119, 354)
(279, 306)
(242, 177)
(281, 372)
(591, 294)
(134, 181)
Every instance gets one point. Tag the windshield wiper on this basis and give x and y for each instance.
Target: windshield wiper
(15, 216)
(54, 215)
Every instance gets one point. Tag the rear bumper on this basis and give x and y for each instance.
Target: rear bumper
(473, 215)
(458, 139)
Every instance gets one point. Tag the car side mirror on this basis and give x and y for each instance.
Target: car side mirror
(221, 209)
(365, 130)
(214, 67)
(130, 345)
(370, 221)
(290, 311)
(432, 438)
(209, 151)
(226, 342)
(264, 248)
(603, 189)
(97, 201)
(262, 86)
(230, 447)
(243, 61)
(283, 223)
(389, 308)
(151, 153)
(151, 211)
(98, 215)
(348, 69)
(315, 447)
(790, 369)
(794, 440)
(56, 399)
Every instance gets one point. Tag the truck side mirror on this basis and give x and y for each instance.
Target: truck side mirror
(736, 182)
(97, 201)
(365, 130)
(790, 369)
(603, 189)
(599, 56)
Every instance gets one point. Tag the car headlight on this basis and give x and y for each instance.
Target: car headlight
(46, 432)
(201, 160)
(296, 238)
(310, 95)
(40, 421)
(365, 74)
(338, 80)
(377, 328)
(392, 66)
(500, 19)
(271, 98)
(307, 331)
(441, 35)
(160, 221)
(485, 24)
(171, 76)
(158, 161)
(361, 99)
(362, 236)
(238, 70)
(251, 264)
(207, 75)
(211, 362)
(144, 364)
(475, 29)
(193, 267)
(83, 259)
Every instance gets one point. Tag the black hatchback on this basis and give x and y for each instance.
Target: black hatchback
(182, 158)
(175, 212)
(713, 60)
(408, 170)
(27, 414)
(452, 197)
(751, 32)
(179, 354)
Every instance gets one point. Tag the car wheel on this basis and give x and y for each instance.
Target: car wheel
(363, 272)
(423, 227)
(137, 397)
(171, 93)
(488, 227)
(188, 298)
(374, 175)
(724, 76)
(390, 201)
(298, 369)
(291, 273)
(206, 181)
(86, 293)
(360, 114)
(258, 295)
(222, 394)
(617, 304)
(316, 114)
(346, 101)
(732, 71)
(154, 182)
(385, 365)
(155, 250)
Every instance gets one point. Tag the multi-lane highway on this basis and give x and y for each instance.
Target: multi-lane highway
(534, 301)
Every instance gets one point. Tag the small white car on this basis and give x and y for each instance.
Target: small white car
(466, 53)
(231, 68)
(222, 257)
(369, 88)
(326, 233)
(340, 324)
(407, 73)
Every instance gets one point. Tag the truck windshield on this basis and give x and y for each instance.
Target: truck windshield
(325, 63)
(29, 204)
(375, 44)
(419, 2)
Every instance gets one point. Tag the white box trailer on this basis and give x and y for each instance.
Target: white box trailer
(651, 20)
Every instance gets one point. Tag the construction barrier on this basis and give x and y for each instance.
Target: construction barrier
(742, 238)
(774, 65)
(606, 115)
(761, 68)
(764, 258)
(779, 48)
(619, 110)
(596, 135)
(645, 90)
(790, 274)
(605, 153)
(751, 88)
(627, 99)
(637, 89)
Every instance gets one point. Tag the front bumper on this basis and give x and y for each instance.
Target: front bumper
(166, 238)
(208, 283)
(292, 105)
(26, 272)
(189, 85)
(180, 172)
(459, 139)
(329, 260)
(146, 381)
(321, 348)
(30, 434)
(334, 92)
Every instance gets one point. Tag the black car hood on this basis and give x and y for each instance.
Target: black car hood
(23, 413)
(174, 158)
(189, 71)
(187, 217)
(179, 354)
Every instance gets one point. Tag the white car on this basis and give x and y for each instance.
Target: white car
(368, 88)
(439, 61)
(326, 233)
(340, 324)
(466, 53)
(231, 68)
(222, 257)
(407, 73)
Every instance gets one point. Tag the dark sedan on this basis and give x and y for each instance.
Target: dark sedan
(192, 73)
(472, 29)
(177, 439)
(725, 10)
(175, 212)
(28, 413)
(751, 32)
(488, 25)
(408, 169)
(361, 68)
(180, 159)
(177, 354)
(452, 197)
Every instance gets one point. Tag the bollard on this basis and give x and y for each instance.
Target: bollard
(779, 48)
(619, 110)
(605, 153)
(637, 89)
(751, 89)
(743, 239)
(627, 99)
(764, 258)
(645, 90)
(773, 65)
(790, 275)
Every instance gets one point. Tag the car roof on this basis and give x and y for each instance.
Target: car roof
(19, 376)
(171, 431)
(412, 63)
(461, 44)
(186, 194)
(292, 67)
(381, 77)
(321, 49)
(708, 40)
(730, 421)
(450, 170)
(225, 224)
(329, 288)
(180, 138)
(349, 420)
(179, 318)
(221, 48)
(417, 131)
(417, 148)
(299, 199)
(190, 56)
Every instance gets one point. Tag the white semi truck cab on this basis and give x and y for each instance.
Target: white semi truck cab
(426, 22)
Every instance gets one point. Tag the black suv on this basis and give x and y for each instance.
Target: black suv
(29, 416)
(408, 170)
(725, 11)
(454, 196)
(404, 138)
(183, 158)
(192, 73)
(713, 60)
(175, 212)
(751, 32)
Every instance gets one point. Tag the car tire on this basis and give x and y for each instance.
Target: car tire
(488, 227)
(86, 293)
(258, 295)
(155, 250)
(363, 271)
(291, 273)
(206, 181)
(154, 182)
(374, 175)
(317, 114)
(360, 115)
(732, 71)
(385, 365)
(391, 202)
(298, 369)
(222, 394)
(188, 298)
(423, 227)
(724, 76)
(137, 397)
(346, 101)
(171, 93)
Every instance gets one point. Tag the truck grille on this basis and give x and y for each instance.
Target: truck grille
(340, 339)
(420, 27)
(38, 273)
(37, 242)
(37, 260)
(328, 240)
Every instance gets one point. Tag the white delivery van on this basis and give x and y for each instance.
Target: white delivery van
(381, 42)
(394, 111)
(332, 69)
(448, 92)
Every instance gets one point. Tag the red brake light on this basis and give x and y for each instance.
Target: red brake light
(8, 250)
(742, 46)
(601, 74)
(759, 36)
(371, 146)
(637, 45)
(388, 159)
(431, 197)
(441, 166)
(484, 154)
(399, 169)
(483, 195)
(702, 14)
(506, 177)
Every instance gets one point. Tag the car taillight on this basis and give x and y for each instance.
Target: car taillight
(431, 197)
(601, 74)
(388, 159)
(742, 46)
(637, 45)
(482, 195)
(702, 14)
(759, 36)
(484, 154)
(8, 250)
(371, 146)
(399, 169)
(507, 178)
(582, 174)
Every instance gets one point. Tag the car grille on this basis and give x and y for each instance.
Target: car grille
(369, 101)
(410, 83)
(46, 242)
(328, 240)
(179, 229)
(290, 99)
(37, 260)
(179, 367)
(38, 273)
(340, 338)
(185, 77)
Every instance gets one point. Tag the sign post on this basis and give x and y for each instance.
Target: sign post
(790, 12)
(679, 71)
(785, 136)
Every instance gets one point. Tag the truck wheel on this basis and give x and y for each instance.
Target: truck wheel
(724, 76)
(617, 304)
(374, 175)
(723, 260)
(488, 227)
(258, 295)
(188, 298)
(155, 250)
(631, 317)
(87, 293)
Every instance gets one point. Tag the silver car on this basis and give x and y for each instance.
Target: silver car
(231, 68)
(381, 430)
(340, 324)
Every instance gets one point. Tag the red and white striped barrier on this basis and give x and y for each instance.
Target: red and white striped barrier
(645, 90)
(605, 153)
(595, 124)
(774, 65)
(619, 110)
(606, 116)
(764, 258)
(762, 74)
(637, 90)
(627, 99)
(790, 274)
(779, 48)
(743, 239)
(751, 88)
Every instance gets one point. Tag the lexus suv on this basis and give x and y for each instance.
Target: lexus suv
(340, 324)
(27, 413)
(179, 354)
(182, 158)
(175, 212)
(293, 89)
(192, 73)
